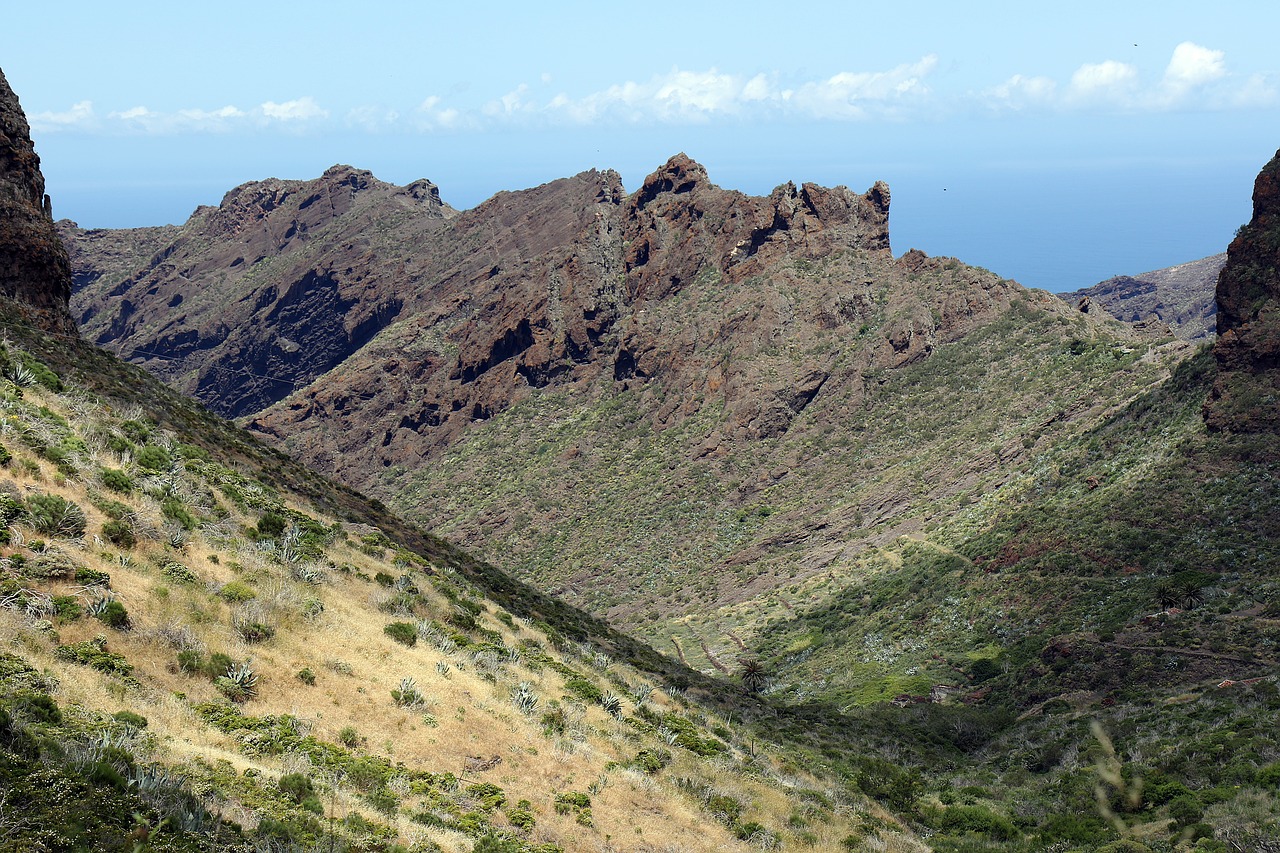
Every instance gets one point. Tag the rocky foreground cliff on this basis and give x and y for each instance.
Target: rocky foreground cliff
(34, 270)
(1246, 393)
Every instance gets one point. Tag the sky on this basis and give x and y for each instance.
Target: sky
(1056, 144)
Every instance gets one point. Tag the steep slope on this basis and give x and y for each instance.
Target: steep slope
(205, 654)
(1181, 296)
(272, 288)
(1246, 393)
(34, 269)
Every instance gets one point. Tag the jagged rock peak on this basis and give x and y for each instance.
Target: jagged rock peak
(1246, 392)
(34, 269)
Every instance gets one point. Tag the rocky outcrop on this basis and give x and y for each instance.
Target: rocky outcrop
(35, 273)
(257, 296)
(1181, 296)
(1246, 392)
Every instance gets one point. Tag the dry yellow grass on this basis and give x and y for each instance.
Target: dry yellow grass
(468, 714)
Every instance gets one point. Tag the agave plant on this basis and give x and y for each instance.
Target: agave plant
(240, 683)
(612, 704)
(523, 697)
(407, 694)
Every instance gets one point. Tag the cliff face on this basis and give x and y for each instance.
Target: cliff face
(279, 283)
(1246, 393)
(1180, 296)
(35, 272)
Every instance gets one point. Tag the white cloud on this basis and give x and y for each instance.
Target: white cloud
(1108, 81)
(1195, 77)
(1019, 92)
(1193, 65)
(697, 96)
(80, 117)
(299, 109)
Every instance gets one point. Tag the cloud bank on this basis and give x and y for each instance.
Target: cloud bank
(1195, 78)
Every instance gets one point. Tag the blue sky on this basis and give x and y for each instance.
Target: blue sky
(1057, 146)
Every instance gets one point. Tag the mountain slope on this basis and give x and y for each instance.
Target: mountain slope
(1181, 296)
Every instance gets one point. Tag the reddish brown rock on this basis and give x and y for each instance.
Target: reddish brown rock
(1246, 392)
(34, 270)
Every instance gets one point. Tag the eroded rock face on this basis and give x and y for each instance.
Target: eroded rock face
(1181, 296)
(1246, 393)
(251, 299)
(35, 272)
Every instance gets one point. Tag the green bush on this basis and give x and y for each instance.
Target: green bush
(129, 718)
(306, 676)
(237, 592)
(402, 632)
(92, 577)
(254, 632)
(176, 511)
(271, 525)
(114, 615)
(117, 481)
(1268, 777)
(119, 533)
(1186, 809)
(584, 689)
(154, 458)
(54, 515)
(139, 432)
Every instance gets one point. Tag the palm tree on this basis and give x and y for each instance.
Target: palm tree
(752, 674)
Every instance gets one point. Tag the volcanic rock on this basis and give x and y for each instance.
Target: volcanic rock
(35, 272)
(1181, 296)
(1246, 392)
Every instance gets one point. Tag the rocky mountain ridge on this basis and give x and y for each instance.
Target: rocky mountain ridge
(680, 346)
(34, 269)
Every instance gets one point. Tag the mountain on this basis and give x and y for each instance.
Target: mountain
(1246, 394)
(34, 269)
(613, 392)
(1181, 296)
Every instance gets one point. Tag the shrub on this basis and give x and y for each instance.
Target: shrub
(119, 533)
(93, 653)
(402, 632)
(1269, 776)
(92, 577)
(154, 458)
(190, 661)
(254, 632)
(584, 689)
(113, 613)
(67, 608)
(54, 515)
(1186, 809)
(174, 510)
(306, 676)
(237, 592)
(129, 718)
(349, 737)
(296, 786)
(271, 526)
(139, 432)
(117, 481)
